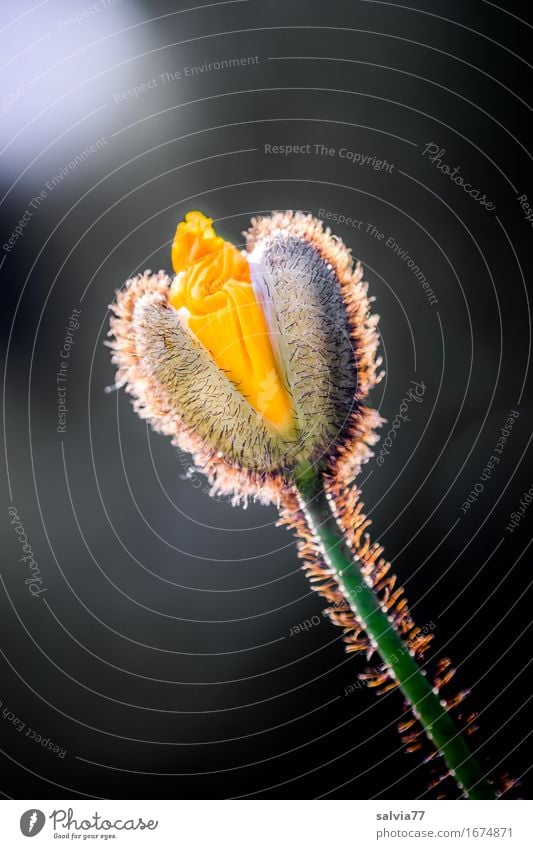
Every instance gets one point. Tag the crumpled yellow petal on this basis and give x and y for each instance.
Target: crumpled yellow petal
(213, 290)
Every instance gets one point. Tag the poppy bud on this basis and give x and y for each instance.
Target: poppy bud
(252, 361)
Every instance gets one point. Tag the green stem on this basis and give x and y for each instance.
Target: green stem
(436, 721)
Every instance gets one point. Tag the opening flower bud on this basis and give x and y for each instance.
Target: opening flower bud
(253, 361)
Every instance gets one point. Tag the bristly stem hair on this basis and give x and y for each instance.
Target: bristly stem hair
(402, 666)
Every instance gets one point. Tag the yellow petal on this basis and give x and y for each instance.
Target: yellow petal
(213, 289)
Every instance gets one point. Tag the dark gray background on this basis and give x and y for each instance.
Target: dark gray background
(159, 656)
